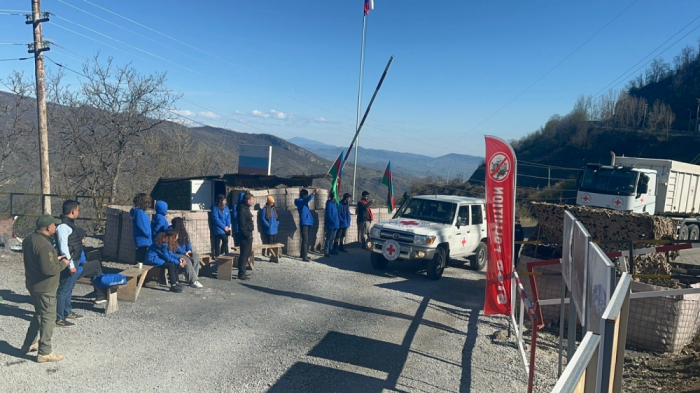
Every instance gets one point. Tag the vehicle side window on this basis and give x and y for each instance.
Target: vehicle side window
(463, 215)
(477, 215)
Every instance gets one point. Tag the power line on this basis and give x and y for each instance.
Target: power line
(650, 53)
(67, 68)
(548, 72)
(20, 58)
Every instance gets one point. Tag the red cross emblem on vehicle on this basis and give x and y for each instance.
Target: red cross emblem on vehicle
(586, 198)
(391, 250)
(464, 241)
(617, 202)
(642, 200)
(407, 223)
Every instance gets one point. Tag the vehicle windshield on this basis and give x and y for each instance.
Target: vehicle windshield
(609, 181)
(428, 210)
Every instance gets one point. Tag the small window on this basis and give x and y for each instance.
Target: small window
(464, 215)
(477, 215)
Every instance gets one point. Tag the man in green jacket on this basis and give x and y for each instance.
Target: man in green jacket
(42, 267)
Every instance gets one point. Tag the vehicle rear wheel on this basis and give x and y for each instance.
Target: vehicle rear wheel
(378, 261)
(437, 265)
(478, 260)
(693, 232)
(683, 233)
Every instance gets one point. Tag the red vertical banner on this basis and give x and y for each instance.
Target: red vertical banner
(500, 219)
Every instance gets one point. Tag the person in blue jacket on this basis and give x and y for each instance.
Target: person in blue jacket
(141, 228)
(331, 223)
(185, 251)
(162, 253)
(306, 220)
(234, 220)
(158, 222)
(344, 222)
(220, 225)
(270, 221)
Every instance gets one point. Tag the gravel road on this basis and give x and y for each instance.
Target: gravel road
(330, 325)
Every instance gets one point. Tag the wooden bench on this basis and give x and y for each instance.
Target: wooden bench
(275, 250)
(135, 278)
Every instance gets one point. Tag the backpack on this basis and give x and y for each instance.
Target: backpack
(104, 281)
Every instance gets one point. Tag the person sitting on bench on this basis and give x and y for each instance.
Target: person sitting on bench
(184, 251)
(162, 254)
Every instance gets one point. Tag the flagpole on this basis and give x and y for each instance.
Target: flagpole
(359, 101)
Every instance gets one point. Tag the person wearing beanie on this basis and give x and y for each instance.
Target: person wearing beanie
(331, 224)
(364, 218)
(306, 220)
(344, 223)
(270, 221)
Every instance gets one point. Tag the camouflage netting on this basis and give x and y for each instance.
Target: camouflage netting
(606, 225)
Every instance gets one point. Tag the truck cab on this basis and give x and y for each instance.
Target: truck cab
(433, 228)
(618, 187)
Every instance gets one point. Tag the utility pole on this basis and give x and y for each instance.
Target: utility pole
(549, 176)
(697, 112)
(37, 49)
(447, 180)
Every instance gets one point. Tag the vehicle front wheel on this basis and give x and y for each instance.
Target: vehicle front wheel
(378, 261)
(437, 265)
(693, 232)
(683, 233)
(478, 260)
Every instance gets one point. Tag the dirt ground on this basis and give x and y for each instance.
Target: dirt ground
(646, 372)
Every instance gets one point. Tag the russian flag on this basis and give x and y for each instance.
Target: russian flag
(369, 5)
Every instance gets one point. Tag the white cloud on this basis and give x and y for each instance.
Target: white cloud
(321, 120)
(183, 112)
(209, 115)
(271, 114)
(182, 121)
(258, 113)
(279, 115)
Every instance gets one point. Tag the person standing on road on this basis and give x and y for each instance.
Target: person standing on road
(344, 222)
(69, 241)
(306, 220)
(141, 228)
(364, 218)
(246, 226)
(331, 223)
(42, 267)
(221, 225)
(270, 222)
(234, 219)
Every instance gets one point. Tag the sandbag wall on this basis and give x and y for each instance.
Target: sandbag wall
(665, 323)
(119, 244)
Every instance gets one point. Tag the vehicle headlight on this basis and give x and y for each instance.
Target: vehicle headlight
(423, 240)
(376, 232)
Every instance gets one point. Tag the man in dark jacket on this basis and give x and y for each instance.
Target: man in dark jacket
(246, 226)
(306, 220)
(69, 239)
(364, 218)
(42, 267)
(234, 215)
(331, 223)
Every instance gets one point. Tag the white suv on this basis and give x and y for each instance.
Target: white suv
(434, 228)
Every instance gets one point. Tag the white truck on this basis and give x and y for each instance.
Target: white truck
(647, 186)
(433, 228)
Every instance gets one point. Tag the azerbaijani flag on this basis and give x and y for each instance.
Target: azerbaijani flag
(369, 5)
(389, 182)
(335, 172)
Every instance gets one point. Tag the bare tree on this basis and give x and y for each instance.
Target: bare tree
(100, 123)
(17, 136)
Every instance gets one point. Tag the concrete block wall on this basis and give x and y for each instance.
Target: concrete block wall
(665, 324)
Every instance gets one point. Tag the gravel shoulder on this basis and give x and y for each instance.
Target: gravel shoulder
(331, 325)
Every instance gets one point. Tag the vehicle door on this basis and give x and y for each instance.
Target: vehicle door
(476, 229)
(459, 243)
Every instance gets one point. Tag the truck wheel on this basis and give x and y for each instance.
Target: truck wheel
(478, 260)
(683, 233)
(437, 265)
(693, 232)
(378, 261)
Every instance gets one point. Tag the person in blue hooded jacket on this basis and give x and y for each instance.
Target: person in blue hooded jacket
(186, 252)
(270, 221)
(141, 228)
(344, 218)
(162, 253)
(234, 220)
(158, 222)
(306, 220)
(331, 223)
(220, 225)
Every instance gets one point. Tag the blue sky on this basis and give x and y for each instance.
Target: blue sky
(290, 68)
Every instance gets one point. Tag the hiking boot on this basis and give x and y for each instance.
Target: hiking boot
(32, 348)
(196, 284)
(177, 288)
(64, 323)
(52, 357)
(306, 259)
(244, 277)
(73, 316)
(326, 255)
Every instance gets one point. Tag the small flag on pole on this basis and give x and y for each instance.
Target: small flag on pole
(389, 182)
(369, 5)
(335, 172)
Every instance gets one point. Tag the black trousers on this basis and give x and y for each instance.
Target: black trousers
(246, 245)
(268, 239)
(304, 240)
(173, 273)
(220, 244)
